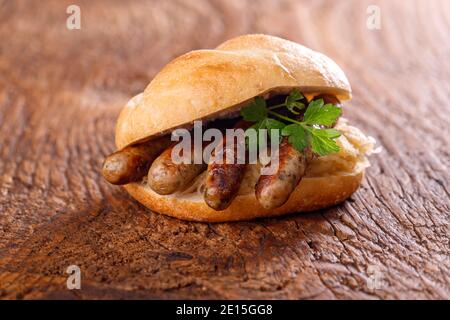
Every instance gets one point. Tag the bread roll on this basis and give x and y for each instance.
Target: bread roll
(214, 84)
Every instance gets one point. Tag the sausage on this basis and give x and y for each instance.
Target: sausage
(274, 190)
(131, 163)
(166, 177)
(222, 184)
(223, 180)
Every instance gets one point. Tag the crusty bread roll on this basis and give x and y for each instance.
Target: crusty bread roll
(211, 84)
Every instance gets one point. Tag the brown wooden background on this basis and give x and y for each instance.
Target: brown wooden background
(60, 93)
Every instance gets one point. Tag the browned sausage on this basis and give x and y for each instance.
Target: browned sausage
(223, 180)
(167, 177)
(131, 163)
(274, 190)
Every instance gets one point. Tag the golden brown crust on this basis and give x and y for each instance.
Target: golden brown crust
(311, 194)
(208, 83)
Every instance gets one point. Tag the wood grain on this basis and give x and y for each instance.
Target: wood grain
(61, 91)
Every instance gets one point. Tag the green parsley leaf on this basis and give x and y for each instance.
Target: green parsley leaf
(301, 134)
(298, 136)
(273, 125)
(320, 114)
(291, 107)
(267, 123)
(322, 141)
(331, 133)
(292, 102)
(295, 95)
(256, 111)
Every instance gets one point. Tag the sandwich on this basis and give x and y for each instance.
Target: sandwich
(290, 96)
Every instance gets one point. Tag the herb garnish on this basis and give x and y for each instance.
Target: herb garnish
(301, 134)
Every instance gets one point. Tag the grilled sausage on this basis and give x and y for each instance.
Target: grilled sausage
(274, 190)
(223, 180)
(167, 177)
(131, 163)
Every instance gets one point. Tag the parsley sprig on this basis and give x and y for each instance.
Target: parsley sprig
(301, 134)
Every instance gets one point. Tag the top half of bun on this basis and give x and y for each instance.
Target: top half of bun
(205, 84)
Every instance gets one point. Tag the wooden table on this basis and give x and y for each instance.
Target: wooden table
(61, 91)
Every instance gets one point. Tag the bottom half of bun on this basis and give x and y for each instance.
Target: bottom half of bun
(329, 180)
(311, 194)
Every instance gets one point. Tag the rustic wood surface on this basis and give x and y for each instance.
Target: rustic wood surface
(61, 91)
